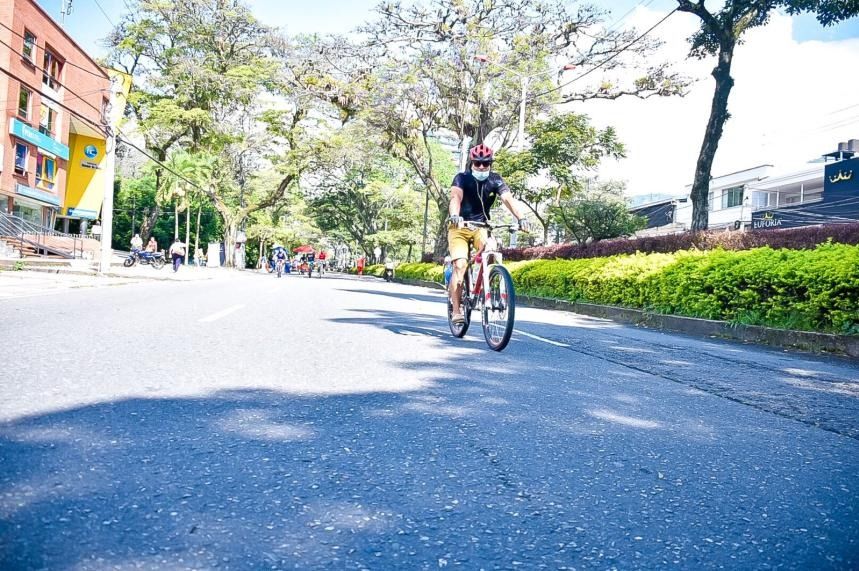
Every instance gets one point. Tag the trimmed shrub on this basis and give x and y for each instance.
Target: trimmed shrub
(811, 289)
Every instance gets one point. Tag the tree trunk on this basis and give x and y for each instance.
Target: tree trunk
(712, 135)
(441, 245)
(197, 232)
(230, 228)
(148, 223)
(187, 233)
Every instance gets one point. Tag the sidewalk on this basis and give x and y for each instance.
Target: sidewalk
(117, 270)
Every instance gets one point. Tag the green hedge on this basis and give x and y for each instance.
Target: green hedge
(815, 290)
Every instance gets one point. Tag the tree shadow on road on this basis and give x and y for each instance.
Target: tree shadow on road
(497, 461)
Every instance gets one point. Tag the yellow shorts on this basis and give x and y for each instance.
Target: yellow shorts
(458, 239)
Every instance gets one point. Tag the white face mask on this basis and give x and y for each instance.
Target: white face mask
(480, 175)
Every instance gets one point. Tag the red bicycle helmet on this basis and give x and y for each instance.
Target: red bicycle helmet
(480, 153)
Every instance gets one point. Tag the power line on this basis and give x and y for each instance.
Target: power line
(97, 3)
(43, 70)
(66, 62)
(605, 61)
(121, 138)
(100, 128)
(627, 13)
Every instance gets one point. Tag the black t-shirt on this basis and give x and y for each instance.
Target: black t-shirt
(474, 192)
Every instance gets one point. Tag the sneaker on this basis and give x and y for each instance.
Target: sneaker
(458, 318)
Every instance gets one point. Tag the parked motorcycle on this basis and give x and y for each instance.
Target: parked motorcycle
(154, 259)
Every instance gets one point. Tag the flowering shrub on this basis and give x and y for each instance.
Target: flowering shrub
(793, 238)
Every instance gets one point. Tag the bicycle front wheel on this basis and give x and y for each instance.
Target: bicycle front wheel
(499, 309)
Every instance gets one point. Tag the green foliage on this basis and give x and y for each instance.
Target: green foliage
(364, 195)
(597, 215)
(816, 290)
(18, 266)
(136, 198)
(564, 148)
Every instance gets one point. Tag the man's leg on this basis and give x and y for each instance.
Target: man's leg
(457, 239)
(455, 288)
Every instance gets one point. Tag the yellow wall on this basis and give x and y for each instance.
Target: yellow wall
(85, 186)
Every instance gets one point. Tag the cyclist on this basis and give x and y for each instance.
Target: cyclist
(471, 197)
(280, 258)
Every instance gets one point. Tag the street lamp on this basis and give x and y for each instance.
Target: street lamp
(523, 78)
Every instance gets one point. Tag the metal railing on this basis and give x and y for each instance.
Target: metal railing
(39, 238)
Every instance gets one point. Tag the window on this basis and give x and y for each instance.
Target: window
(52, 68)
(46, 171)
(105, 110)
(29, 51)
(47, 121)
(732, 197)
(761, 199)
(24, 103)
(21, 151)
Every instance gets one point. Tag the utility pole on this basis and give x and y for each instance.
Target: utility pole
(65, 11)
(426, 214)
(110, 120)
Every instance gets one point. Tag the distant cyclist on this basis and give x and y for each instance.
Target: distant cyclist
(280, 260)
(472, 196)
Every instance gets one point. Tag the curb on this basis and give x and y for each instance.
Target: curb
(784, 338)
(94, 273)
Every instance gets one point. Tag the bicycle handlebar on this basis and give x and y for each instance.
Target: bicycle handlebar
(510, 227)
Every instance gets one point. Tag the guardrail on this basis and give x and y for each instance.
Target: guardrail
(42, 240)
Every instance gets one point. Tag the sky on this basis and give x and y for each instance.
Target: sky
(794, 97)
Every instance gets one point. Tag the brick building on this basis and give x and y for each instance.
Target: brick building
(51, 143)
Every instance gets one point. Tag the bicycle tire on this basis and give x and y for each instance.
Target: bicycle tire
(460, 329)
(499, 311)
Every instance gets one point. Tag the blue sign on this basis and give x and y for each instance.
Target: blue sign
(39, 195)
(841, 177)
(82, 213)
(24, 131)
(91, 151)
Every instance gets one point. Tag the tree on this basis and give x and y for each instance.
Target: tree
(720, 32)
(361, 193)
(432, 80)
(563, 147)
(198, 64)
(597, 214)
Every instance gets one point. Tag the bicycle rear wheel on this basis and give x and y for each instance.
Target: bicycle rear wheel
(459, 329)
(499, 309)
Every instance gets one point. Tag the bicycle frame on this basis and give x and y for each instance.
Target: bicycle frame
(488, 256)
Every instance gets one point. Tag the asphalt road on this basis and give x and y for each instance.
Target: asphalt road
(250, 422)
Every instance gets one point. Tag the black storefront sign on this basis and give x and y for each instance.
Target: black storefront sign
(840, 202)
(841, 178)
(766, 220)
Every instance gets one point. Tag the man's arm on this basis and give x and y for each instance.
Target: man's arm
(455, 201)
(512, 205)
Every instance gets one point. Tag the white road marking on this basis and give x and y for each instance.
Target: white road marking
(543, 339)
(221, 314)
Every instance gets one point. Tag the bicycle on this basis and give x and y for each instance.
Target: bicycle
(489, 288)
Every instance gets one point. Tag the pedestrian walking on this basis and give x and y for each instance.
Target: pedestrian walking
(177, 251)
